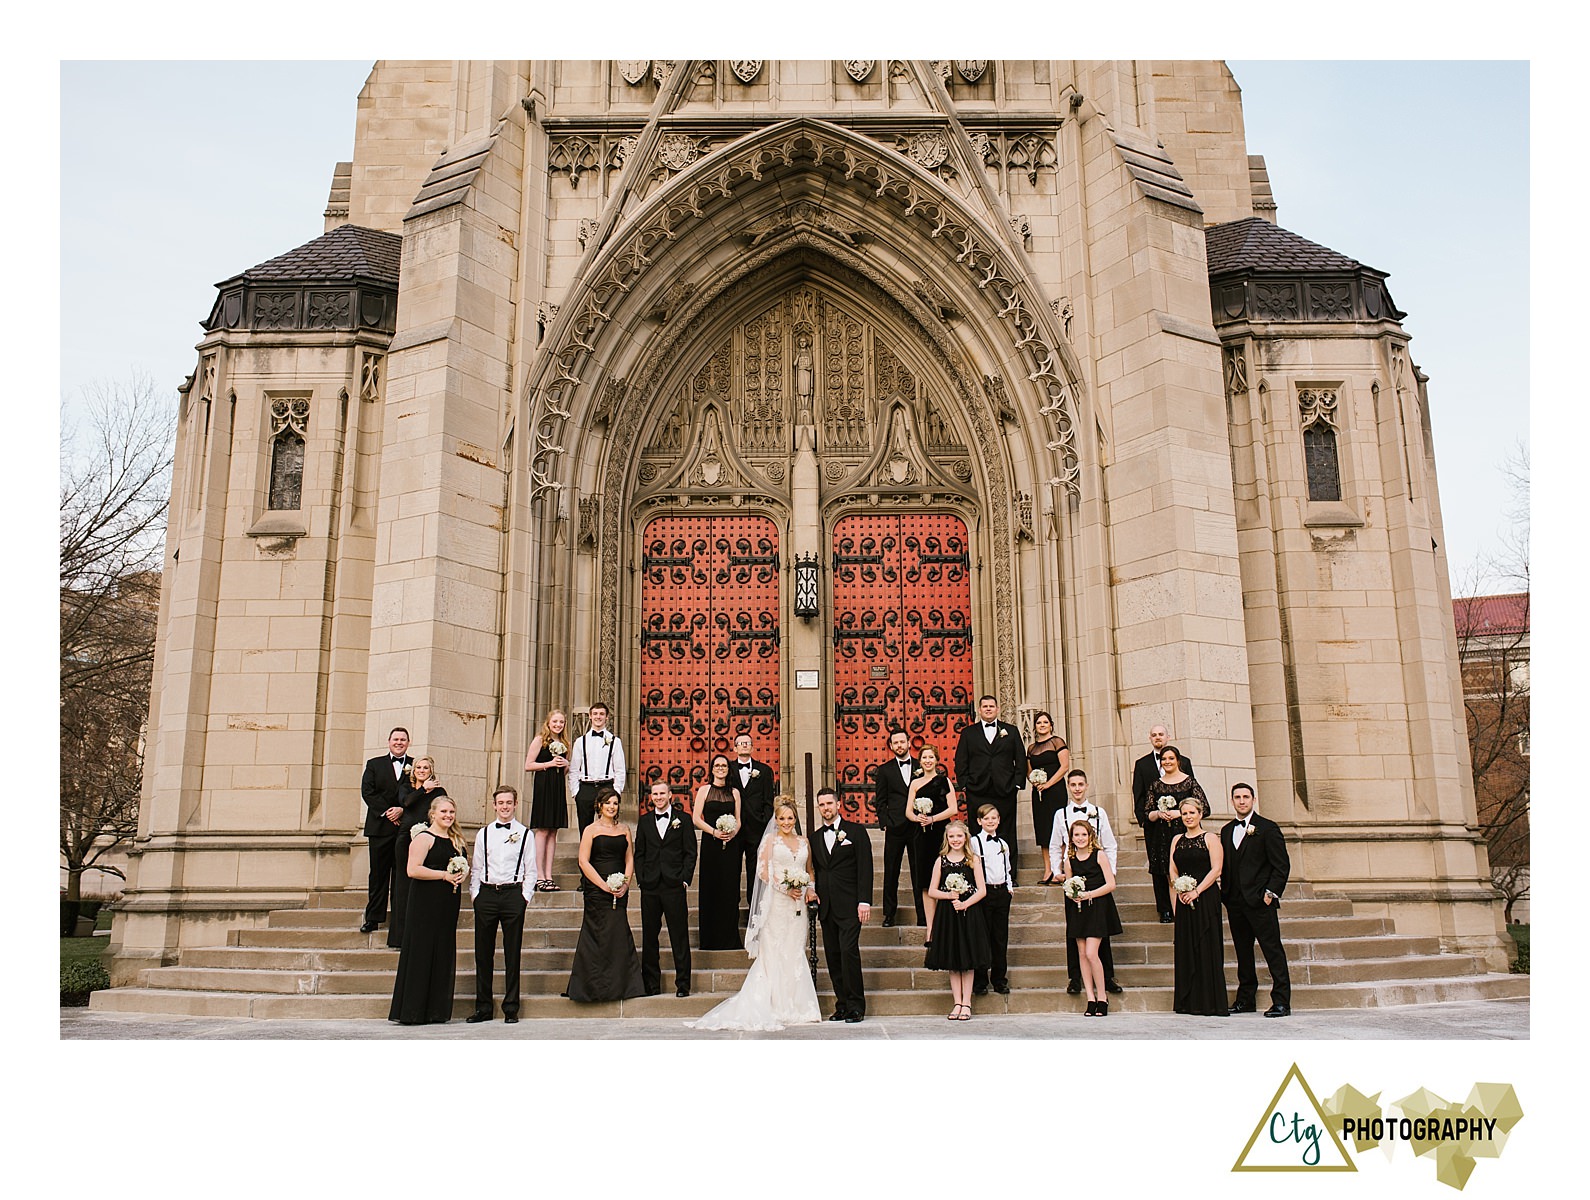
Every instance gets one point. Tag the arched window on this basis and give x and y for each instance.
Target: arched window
(1321, 464)
(289, 422)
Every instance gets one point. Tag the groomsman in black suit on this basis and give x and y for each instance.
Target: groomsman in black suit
(1144, 775)
(383, 813)
(842, 889)
(665, 862)
(891, 781)
(1251, 883)
(757, 789)
(991, 766)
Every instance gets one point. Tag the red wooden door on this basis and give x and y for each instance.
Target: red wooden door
(709, 645)
(902, 642)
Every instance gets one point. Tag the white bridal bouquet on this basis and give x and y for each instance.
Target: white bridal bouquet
(558, 748)
(957, 884)
(1039, 777)
(1168, 804)
(921, 806)
(792, 879)
(1074, 887)
(615, 881)
(726, 824)
(1185, 884)
(456, 864)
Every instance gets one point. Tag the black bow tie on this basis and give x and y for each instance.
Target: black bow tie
(500, 825)
(902, 762)
(831, 828)
(662, 816)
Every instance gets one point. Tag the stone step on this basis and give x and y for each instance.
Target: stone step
(331, 1006)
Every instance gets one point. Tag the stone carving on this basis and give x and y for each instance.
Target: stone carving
(546, 314)
(994, 386)
(971, 69)
(803, 379)
(275, 310)
(1275, 302)
(1236, 372)
(834, 470)
(846, 420)
(586, 230)
(942, 66)
(290, 412)
(676, 151)
(1063, 310)
(590, 522)
(859, 68)
(662, 69)
(624, 148)
(370, 372)
(633, 70)
(761, 406)
(668, 301)
(328, 310)
(774, 472)
(937, 299)
(962, 470)
(706, 71)
(1317, 405)
(1021, 226)
(746, 69)
(1330, 301)
(611, 397)
(803, 213)
(929, 148)
(899, 70)
(1024, 521)
(1030, 153)
(573, 156)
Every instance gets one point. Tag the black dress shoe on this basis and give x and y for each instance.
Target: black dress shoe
(854, 1019)
(1241, 1008)
(888, 922)
(1074, 988)
(839, 1015)
(1113, 988)
(976, 991)
(654, 991)
(368, 927)
(475, 1018)
(1278, 1010)
(1002, 988)
(681, 992)
(1166, 918)
(511, 1019)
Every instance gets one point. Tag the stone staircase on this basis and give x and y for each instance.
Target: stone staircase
(311, 963)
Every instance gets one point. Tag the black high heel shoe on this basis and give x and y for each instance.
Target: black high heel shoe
(1092, 1009)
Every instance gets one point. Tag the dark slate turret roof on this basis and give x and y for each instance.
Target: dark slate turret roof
(1255, 244)
(347, 252)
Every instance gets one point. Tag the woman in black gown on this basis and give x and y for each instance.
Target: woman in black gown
(606, 966)
(428, 962)
(932, 785)
(718, 866)
(417, 787)
(960, 928)
(1158, 817)
(1049, 755)
(1090, 916)
(547, 758)
(1200, 945)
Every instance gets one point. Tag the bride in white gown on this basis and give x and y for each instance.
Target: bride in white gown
(778, 989)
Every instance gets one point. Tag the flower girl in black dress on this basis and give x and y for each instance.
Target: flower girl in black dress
(960, 933)
(1090, 910)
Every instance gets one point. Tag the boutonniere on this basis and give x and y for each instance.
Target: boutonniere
(916, 772)
(674, 824)
(513, 837)
(607, 738)
(1001, 733)
(408, 768)
(755, 771)
(840, 839)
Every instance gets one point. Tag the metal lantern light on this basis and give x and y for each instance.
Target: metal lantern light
(807, 574)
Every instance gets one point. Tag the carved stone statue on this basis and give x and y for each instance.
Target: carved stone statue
(803, 380)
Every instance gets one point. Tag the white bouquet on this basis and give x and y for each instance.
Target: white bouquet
(1074, 887)
(921, 806)
(1184, 884)
(458, 863)
(1039, 777)
(615, 881)
(1169, 804)
(957, 884)
(726, 824)
(792, 879)
(558, 748)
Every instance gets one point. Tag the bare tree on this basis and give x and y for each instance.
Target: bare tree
(1493, 648)
(115, 485)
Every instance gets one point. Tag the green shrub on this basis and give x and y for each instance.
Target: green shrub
(1521, 938)
(79, 978)
(89, 908)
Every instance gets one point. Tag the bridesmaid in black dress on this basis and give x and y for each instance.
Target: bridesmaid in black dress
(960, 931)
(932, 785)
(1091, 916)
(718, 878)
(1200, 941)
(416, 789)
(1158, 816)
(428, 962)
(606, 966)
(548, 759)
(1049, 755)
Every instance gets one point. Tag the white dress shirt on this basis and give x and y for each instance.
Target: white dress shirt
(1095, 816)
(996, 861)
(590, 759)
(498, 860)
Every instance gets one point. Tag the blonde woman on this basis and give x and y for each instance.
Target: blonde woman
(428, 964)
(548, 760)
(418, 787)
(1091, 915)
(960, 933)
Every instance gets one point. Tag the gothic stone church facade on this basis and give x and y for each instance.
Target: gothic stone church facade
(802, 398)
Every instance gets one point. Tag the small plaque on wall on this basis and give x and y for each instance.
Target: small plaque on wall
(806, 680)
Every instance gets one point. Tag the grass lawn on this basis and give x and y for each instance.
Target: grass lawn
(87, 949)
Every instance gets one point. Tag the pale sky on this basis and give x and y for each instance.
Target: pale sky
(1417, 169)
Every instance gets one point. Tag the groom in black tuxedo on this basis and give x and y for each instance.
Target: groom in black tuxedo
(665, 861)
(1251, 883)
(842, 888)
(757, 789)
(891, 781)
(991, 767)
(383, 813)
